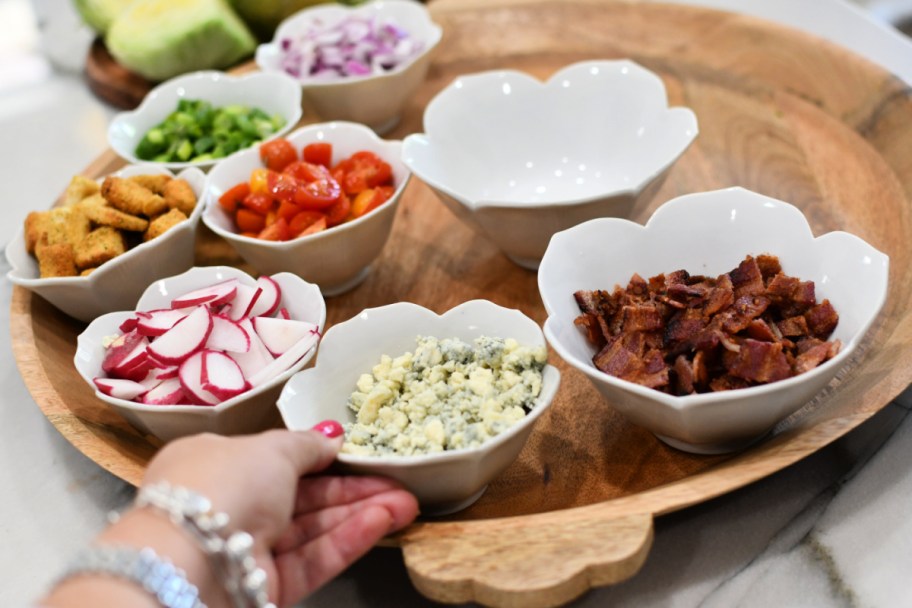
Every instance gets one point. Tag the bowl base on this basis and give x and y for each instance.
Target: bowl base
(386, 126)
(348, 285)
(709, 449)
(448, 508)
(527, 263)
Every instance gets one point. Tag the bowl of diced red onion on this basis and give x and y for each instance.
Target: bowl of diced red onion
(205, 351)
(715, 321)
(360, 64)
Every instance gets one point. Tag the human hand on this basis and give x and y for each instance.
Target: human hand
(306, 530)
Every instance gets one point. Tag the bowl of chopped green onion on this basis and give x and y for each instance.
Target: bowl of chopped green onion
(197, 119)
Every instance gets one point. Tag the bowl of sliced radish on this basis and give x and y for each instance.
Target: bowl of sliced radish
(205, 351)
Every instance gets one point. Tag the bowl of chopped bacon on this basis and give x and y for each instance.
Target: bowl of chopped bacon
(716, 320)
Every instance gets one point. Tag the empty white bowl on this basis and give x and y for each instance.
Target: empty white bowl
(519, 160)
(249, 412)
(337, 259)
(116, 284)
(443, 482)
(708, 234)
(272, 93)
(374, 100)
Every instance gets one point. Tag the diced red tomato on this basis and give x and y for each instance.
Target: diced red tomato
(365, 170)
(233, 197)
(318, 153)
(249, 221)
(287, 210)
(282, 186)
(276, 231)
(317, 226)
(259, 203)
(319, 194)
(307, 172)
(338, 213)
(278, 154)
(367, 201)
(303, 220)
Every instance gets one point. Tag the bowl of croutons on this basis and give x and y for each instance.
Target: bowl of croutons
(109, 239)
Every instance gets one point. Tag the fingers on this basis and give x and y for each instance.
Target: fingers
(308, 567)
(306, 527)
(315, 493)
(307, 451)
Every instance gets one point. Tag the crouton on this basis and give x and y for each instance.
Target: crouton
(87, 272)
(55, 260)
(79, 188)
(179, 195)
(108, 216)
(36, 224)
(77, 225)
(95, 200)
(130, 197)
(163, 223)
(154, 183)
(99, 246)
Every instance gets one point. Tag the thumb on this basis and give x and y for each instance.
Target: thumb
(307, 451)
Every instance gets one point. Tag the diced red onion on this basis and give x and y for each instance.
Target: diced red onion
(354, 47)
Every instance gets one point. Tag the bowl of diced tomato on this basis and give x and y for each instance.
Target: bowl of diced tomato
(319, 202)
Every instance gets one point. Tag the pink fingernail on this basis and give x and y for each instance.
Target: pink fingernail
(330, 428)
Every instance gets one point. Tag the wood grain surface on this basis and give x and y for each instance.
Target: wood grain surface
(780, 112)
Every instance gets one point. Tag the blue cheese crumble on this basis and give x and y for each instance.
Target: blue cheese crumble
(447, 395)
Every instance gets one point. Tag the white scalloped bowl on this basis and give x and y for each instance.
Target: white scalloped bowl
(272, 93)
(337, 259)
(519, 160)
(249, 412)
(116, 284)
(443, 482)
(377, 101)
(710, 233)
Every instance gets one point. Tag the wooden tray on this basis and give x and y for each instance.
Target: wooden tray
(780, 112)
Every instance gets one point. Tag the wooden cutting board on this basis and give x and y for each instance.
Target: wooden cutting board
(780, 112)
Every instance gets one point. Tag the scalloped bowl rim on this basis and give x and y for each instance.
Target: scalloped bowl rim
(223, 79)
(298, 19)
(682, 403)
(476, 204)
(395, 147)
(102, 271)
(201, 410)
(542, 402)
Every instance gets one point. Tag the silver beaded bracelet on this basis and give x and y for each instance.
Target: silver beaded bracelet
(231, 554)
(142, 566)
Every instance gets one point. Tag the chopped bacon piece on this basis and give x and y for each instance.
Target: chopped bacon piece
(793, 327)
(769, 266)
(682, 333)
(746, 278)
(758, 362)
(760, 330)
(822, 320)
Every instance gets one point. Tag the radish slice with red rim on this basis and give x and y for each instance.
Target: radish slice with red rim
(221, 376)
(278, 335)
(214, 295)
(269, 299)
(191, 380)
(185, 338)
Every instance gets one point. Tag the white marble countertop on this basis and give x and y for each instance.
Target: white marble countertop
(832, 530)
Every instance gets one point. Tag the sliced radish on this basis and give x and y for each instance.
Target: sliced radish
(135, 365)
(168, 392)
(278, 335)
(269, 299)
(221, 376)
(213, 295)
(157, 322)
(283, 312)
(119, 349)
(191, 380)
(165, 373)
(244, 300)
(119, 388)
(227, 335)
(128, 325)
(280, 364)
(183, 339)
(257, 357)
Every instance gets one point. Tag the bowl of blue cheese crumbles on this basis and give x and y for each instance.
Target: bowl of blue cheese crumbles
(442, 403)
